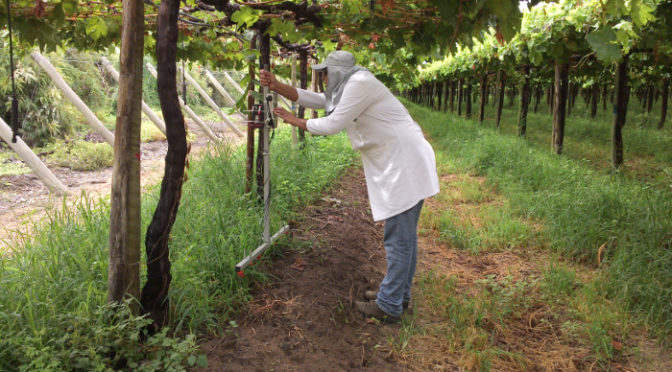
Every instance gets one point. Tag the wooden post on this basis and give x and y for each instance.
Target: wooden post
(211, 102)
(262, 137)
(145, 108)
(484, 95)
(73, 97)
(452, 95)
(663, 109)
(620, 111)
(460, 95)
(559, 112)
(524, 102)
(468, 96)
(538, 93)
(28, 156)
(227, 97)
(123, 278)
(501, 82)
(187, 109)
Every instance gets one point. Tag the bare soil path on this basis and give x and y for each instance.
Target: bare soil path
(304, 320)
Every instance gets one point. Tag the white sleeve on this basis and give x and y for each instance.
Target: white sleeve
(357, 96)
(311, 100)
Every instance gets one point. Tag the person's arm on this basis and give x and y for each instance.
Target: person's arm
(289, 118)
(267, 78)
(311, 100)
(358, 94)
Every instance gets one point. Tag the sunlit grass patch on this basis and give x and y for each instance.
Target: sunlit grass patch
(11, 165)
(589, 139)
(80, 155)
(150, 133)
(468, 322)
(504, 230)
(469, 214)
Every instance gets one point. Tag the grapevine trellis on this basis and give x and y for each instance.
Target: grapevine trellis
(392, 37)
(576, 47)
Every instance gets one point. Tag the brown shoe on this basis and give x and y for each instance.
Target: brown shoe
(371, 309)
(372, 295)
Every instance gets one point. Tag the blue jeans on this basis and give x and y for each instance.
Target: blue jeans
(401, 246)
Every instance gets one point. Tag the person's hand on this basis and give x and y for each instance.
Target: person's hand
(289, 117)
(267, 78)
(284, 115)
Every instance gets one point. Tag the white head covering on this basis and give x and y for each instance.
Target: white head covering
(340, 66)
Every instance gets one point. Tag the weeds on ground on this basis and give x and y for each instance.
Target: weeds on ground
(80, 155)
(588, 140)
(55, 281)
(593, 217)
(470, 323)
(10, 165)
(150, 133)
(541, 316)
(546, 319)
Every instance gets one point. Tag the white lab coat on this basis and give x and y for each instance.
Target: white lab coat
(399, 164)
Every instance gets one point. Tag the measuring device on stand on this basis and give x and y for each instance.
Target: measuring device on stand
(263, 112)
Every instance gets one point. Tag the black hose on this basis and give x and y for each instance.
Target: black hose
(14, 120)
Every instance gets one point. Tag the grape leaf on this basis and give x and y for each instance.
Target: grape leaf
(96, 27)
(245, 16)
(641, 13)
(603, 42)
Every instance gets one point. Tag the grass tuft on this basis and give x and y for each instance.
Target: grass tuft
(80, 155)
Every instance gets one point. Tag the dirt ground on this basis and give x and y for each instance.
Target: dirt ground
(305, 320)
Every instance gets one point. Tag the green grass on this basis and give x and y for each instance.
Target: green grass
(150, 132)
(646, 149)
(55, 282)
(471, 322)
(80, 155)
(9, 165)
(581, 206)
